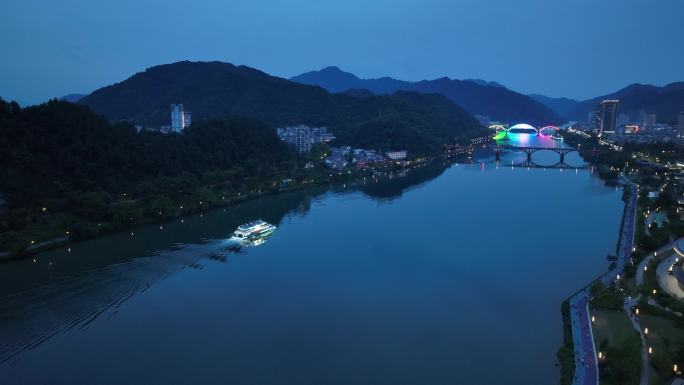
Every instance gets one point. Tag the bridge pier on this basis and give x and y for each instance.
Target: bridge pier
(498, 149)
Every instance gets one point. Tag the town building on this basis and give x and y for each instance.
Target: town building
(302, 137)
(180, 119)
(623, 119)
(680, 124)
(649, 122)
(608, 116)
(340, 157)
(594, 119)
(396, 155)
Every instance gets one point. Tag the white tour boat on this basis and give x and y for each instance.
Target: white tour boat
(254, 229)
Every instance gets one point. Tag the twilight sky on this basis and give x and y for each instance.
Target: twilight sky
(573, 48)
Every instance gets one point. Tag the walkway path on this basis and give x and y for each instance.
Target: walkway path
(586, 364)
(639, 279)
(667, 281)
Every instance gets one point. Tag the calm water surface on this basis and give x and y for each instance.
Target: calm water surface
(446, 275)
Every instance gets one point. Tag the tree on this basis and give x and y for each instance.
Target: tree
(93, 205)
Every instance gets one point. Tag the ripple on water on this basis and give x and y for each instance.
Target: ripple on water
(31, 317)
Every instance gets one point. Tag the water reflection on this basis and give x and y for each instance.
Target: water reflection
(338, 294)
(64, 289)
(539, 158)
(393, 186)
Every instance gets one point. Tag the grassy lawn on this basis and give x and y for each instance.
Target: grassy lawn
(667, 341)
(630, 287)
(619, 342)
(612, 325)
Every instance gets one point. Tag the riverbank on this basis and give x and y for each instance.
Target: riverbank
(343, 242)
(203, 199)
(586, 363)
(634, 288)
(583, 343)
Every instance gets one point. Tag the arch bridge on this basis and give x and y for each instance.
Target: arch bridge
(523, 127)
(561, 151)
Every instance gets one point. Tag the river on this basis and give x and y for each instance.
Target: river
(448, 274)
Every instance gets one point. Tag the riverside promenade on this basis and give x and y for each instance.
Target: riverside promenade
(586, 364)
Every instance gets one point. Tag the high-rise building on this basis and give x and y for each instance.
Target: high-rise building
(649, 121)
(637, 116)
(594, 119)
(179, 119)
(608, 116)
(680, 124)
(622, 119)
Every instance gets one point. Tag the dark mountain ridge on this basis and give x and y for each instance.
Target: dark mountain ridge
(666, 101)
(73, 98)
(475, 96)
(216, 89)
(561, 105)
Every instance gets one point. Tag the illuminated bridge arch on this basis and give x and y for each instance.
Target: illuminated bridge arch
(522, 127)
(500, 131)
(545, 129)
(498, 127)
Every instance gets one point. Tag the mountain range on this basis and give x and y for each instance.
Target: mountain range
(345, 102)
(476, 96)
(417, 122)
(73, 98)
(666, 101)
(560, 105)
